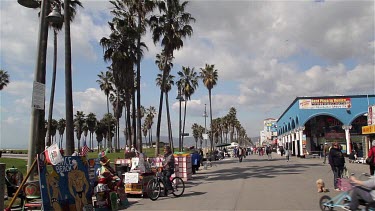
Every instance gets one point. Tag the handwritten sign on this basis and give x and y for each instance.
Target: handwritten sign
(131, 177)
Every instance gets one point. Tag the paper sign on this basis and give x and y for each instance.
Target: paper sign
(135, 162)
(131, 177)
(38, 95)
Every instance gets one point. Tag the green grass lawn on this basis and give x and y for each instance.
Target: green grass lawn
(17, 163)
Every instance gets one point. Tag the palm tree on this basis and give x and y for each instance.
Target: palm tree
(57, 26)
(100, 130)
(85, 129)
(54, 125)
(188, 83)
(171, 26)
(142, 8)
(4, 79)
(69, 14)
(91, 124)
(110, 120)
(151, 111)
(195, 129)
(168, 86)
(209, 76)
(106, 86)
(145, 130)
(61, 128)
(161, 61)
(79, 120)
(232, 117)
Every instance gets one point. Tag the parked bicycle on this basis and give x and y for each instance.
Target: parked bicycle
(156, 186)
(343, 199)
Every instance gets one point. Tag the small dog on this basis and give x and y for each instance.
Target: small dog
(320, 185)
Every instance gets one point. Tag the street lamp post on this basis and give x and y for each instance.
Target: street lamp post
(205, 127)
(180, 98)
(37, 113)
(37, 110)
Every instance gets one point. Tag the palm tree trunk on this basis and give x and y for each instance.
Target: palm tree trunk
(151, 136)
(183, 127)
(117, 111)
(109, 126)
(159, 115)
(128, 124)
(169, 121)
(209, 95)
(50, 109)
(68, 82)
(134, 120)
(139, 132)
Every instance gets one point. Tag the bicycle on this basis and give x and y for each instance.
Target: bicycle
(156, 186)
(341, 200)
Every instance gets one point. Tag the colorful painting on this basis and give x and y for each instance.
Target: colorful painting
(66, 186)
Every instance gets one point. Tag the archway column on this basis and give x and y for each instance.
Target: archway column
(298, 144)
(295, 142)
(347, 137)
(300, 131)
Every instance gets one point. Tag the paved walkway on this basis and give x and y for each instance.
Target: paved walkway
(254, 184)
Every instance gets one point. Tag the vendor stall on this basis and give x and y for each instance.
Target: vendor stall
(139, 175)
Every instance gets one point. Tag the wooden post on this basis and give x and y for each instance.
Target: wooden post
(21, 186)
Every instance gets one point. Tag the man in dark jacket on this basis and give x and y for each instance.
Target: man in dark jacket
(337, 162)
(168, 166)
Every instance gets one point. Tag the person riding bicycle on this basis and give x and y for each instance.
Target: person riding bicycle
(366, 192)
(168, 166)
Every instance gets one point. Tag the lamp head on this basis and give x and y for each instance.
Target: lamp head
(55, 16)
(29, 3)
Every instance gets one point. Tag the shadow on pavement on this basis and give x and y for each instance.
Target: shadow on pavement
(255, 171)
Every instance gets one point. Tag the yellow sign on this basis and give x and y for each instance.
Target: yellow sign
(368, 129)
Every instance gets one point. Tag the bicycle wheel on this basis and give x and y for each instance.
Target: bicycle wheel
(325, 203)
(178, 186)
(153, 189)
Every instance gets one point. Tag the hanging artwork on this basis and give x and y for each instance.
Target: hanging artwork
(65, 186)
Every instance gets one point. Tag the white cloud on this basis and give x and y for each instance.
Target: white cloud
(91, 100)
(11, 120)
(19, 88)
(271, 51)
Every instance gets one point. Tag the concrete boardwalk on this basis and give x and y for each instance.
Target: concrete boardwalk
(254, 184)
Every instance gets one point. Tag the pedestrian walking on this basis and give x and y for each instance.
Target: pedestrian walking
(269, 153)
(287, 154)
(337, 162)
(240, 154)
(371, 152)
(325, 152)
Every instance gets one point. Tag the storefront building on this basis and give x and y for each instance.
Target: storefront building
(310, 122)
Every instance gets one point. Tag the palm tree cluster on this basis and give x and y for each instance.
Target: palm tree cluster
(70, 8)
(170, 25)
(221, 126)
(123, 50)
(85, 125)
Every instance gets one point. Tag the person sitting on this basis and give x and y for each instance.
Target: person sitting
(365, 191)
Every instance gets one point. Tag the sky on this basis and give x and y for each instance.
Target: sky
(266, 52)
